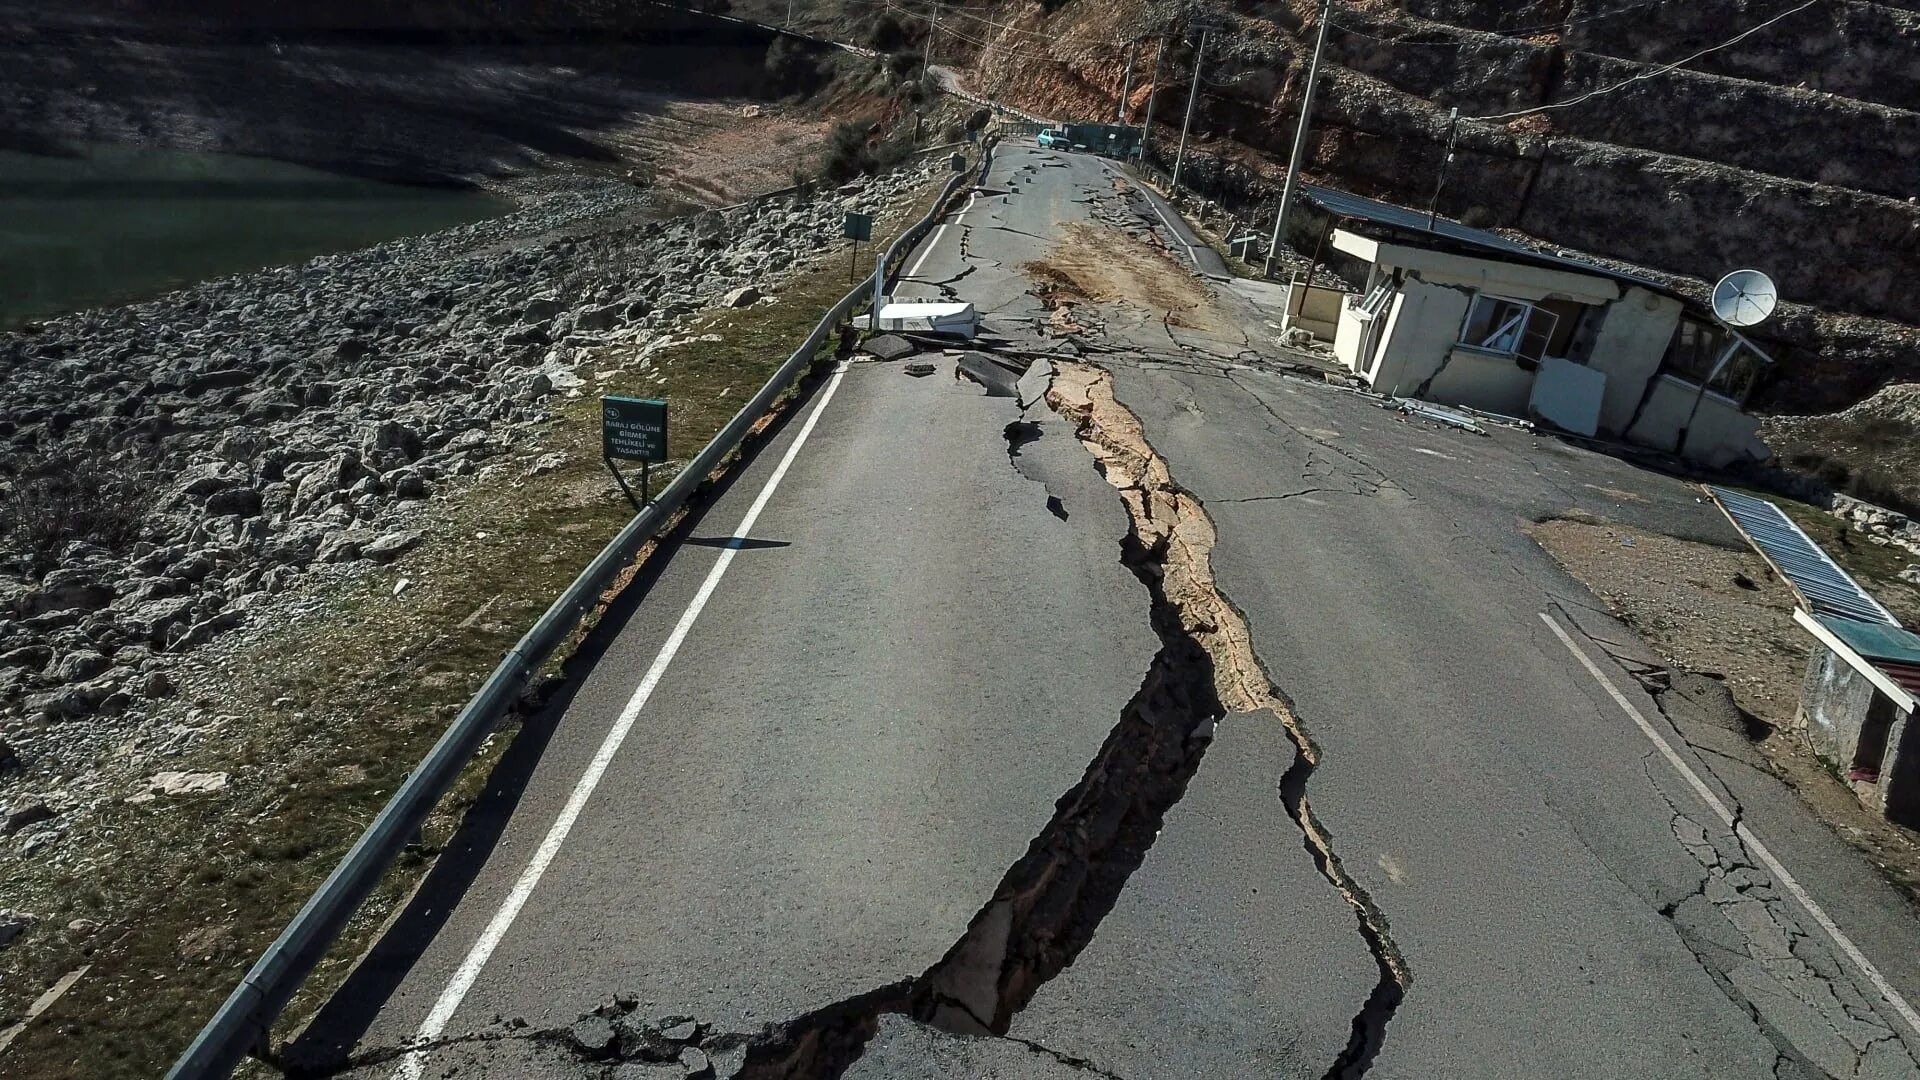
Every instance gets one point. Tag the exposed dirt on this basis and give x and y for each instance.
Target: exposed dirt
(1724, 613)
(738, 150)
(1108, 266)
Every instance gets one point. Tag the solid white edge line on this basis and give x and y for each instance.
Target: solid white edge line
(482, 951)
(940, 232)
(1147, 194)
(1760, 851)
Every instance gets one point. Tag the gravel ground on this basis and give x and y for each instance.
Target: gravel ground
(1723, 613)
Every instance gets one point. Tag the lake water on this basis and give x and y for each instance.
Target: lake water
(123, 223)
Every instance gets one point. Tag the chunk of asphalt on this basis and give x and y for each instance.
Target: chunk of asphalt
(919, 371)
(889, 347)
(1033, 385)
(989, 373)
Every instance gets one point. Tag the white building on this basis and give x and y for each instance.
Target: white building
(1457, 315)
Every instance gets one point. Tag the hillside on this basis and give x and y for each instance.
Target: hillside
(1790, 150)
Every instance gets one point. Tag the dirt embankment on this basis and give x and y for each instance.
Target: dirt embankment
(416, 96)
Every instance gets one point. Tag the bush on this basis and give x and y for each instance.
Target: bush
(887, 34)
(852, 151)
(793, 69)
(74, 495)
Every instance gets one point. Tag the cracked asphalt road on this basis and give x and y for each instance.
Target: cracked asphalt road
(850, 772)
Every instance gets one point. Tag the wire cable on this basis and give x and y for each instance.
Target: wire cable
(1645, 75)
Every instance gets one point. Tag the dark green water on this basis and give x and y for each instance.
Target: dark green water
(126, 223)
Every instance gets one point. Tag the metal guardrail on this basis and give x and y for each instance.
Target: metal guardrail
(244, 1020)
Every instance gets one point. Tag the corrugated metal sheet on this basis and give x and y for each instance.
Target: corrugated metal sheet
(1345, 204)
(1907, 675)
(1819, 582)
(1877, 641)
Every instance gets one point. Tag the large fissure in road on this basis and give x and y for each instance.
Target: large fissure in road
(1049, 904)
(1172, 524)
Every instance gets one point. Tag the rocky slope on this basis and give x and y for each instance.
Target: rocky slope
(1789, 152)
(169, 466)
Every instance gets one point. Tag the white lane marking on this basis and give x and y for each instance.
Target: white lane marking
(482, 950)
(1192, 256)
(1779, 872)
(938, 233)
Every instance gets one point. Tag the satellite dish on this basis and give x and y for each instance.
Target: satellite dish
(1744, 298)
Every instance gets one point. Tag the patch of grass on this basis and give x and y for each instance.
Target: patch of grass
(326, 716)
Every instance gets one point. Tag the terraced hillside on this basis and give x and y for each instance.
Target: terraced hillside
(1791, 150)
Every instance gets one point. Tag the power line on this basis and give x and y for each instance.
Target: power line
(1645, 75)
(1500, 31)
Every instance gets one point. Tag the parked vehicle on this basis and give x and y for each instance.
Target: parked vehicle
(1052, 139)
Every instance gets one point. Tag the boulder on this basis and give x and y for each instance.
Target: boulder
(603, 317)
(744, 296)
(391, 546)
(31, 812)
(541, 309)
(341, 546)
(80, 665)
(156, 620)
(13, 923)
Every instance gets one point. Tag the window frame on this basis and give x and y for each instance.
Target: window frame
(1521, 325)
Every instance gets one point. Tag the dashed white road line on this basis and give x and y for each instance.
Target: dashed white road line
(1759, 850)
(468, 972)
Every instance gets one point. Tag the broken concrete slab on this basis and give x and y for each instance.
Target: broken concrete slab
(989, 373)
(1033, 385)
(888, 347)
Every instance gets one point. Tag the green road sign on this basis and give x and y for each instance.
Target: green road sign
(633, 429)
(859, 226)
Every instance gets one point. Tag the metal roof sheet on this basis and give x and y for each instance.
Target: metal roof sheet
(1907, 675)
(1815, 578)
(1346, 204)
(1876, 641)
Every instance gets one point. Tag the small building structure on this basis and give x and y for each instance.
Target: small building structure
(1858, 697)
(1857, 706)
(1463, 316)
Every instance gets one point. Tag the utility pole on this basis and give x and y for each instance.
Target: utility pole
(933, 27)
(1126, 84)
(789, 14)
(1153, 87)
(1453, 130)
(1193, 95)
(1300, 135)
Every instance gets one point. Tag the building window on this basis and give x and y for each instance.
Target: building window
(1514, 327)
(1708, 354)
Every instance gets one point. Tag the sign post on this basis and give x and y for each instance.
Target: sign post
(633, 429)
(857, 227)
